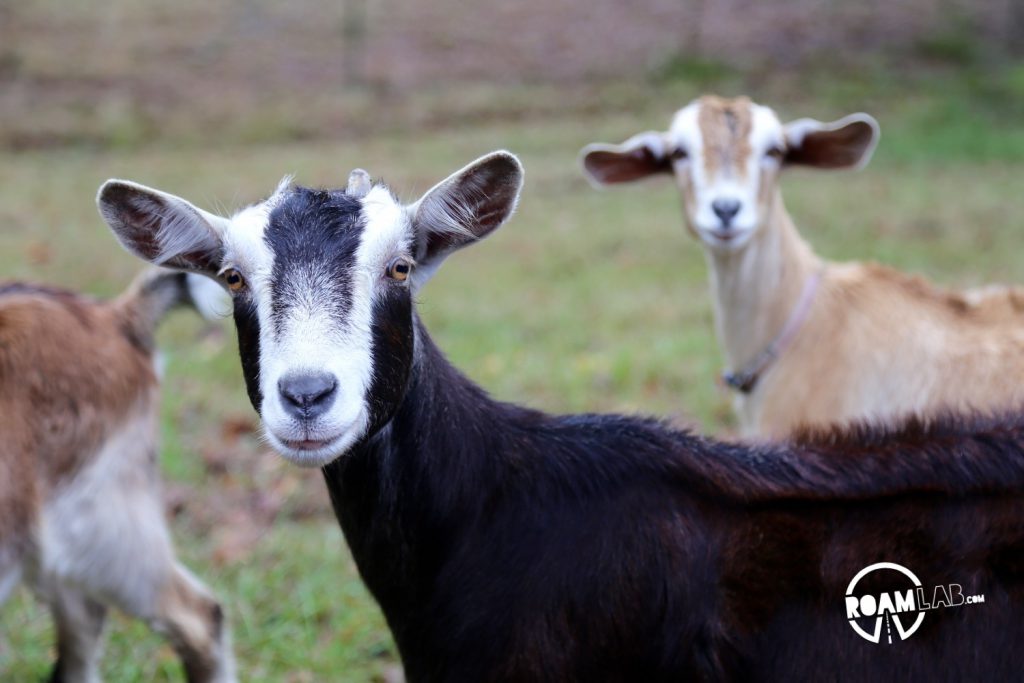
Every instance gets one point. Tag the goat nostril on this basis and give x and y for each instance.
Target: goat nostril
(307, 391)
(726, 209)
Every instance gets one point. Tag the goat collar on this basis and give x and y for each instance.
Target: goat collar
(746, 378)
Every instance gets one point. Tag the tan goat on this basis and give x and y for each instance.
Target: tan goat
(81, 515)
(808, 341)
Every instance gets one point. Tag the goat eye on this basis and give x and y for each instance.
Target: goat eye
(234, 279)
(399, 268)
(678, 154)
(775, 152)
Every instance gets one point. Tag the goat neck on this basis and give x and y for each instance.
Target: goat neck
(406, 492)
(755, 289)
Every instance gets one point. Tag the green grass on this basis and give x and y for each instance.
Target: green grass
(585, 301)
(299, 622)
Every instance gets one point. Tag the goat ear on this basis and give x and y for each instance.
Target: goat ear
(641, 156)
(161, 228)
(846, 143)
(465, 207)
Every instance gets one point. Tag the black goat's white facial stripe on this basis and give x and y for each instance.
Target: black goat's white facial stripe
(246, 250)
(314, 262)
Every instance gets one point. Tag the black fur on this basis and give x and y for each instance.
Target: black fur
(393, 343)
(313, 235)
(247, 323)
(504, 544)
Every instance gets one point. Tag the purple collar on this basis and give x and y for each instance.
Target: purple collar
(745, 379)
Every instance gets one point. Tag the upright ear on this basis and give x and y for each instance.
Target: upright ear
(465, 207)
(846, 143)
(161, 228)
(643, 155)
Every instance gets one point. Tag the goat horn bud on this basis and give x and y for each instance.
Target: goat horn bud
(358, 183)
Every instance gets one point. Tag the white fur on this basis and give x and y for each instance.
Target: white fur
(727, 181)
(102, 539)
(180, 232)
(359, 183)
(727, 184)
(86, 538)
(209, 297)
(312, 340)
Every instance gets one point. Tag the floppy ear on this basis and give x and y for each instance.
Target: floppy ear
(463, 208)
(846, 143)
(161, 228)
(643, 155)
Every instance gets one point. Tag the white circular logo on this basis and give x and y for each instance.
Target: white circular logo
(884, 607)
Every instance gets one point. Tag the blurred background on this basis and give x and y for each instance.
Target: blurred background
(586, 301)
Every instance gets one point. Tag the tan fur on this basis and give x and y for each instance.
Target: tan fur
(876, 342)
(725, 129)
(192, 620)
(78, 433)
(873, 342)
(58, 354)
(880, 343)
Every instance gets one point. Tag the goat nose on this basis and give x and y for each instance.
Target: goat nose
(726, 209)
(307, 395)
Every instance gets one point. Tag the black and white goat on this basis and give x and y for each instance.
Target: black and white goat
(81, 511)
(506, 544)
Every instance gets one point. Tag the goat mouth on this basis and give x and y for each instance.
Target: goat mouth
(309, 444)
(730, 237)
(308, 452)
(314, 445)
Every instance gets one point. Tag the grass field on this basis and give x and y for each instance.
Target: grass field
(586, 301)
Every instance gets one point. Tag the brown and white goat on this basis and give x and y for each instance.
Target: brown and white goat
(81, 514)
(809, 341)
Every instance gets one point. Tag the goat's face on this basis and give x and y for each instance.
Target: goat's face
(323, 285)
(726, 155)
